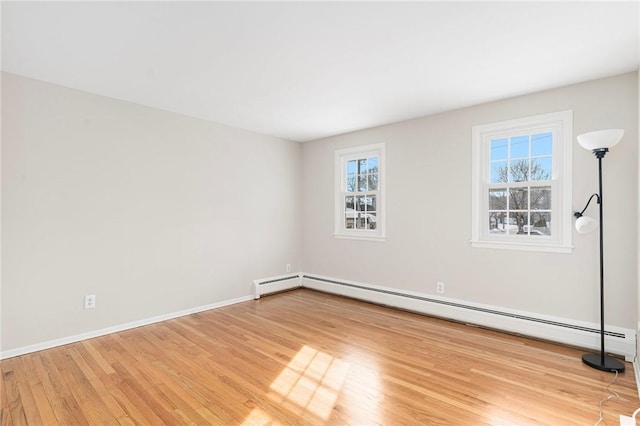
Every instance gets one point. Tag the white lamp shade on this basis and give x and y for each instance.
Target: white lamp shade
(600, 138)
(586, 224)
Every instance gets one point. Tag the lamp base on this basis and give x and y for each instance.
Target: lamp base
(596, 361)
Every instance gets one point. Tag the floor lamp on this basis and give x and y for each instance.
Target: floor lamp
(599, 143)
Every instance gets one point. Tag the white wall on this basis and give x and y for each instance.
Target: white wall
(429, 208)
(151, 211)
(155, 212)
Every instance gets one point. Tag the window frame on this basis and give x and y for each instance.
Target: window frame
(341, 158)
(560, 124)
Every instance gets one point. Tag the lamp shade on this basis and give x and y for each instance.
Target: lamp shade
(586, 224)
(600, 138)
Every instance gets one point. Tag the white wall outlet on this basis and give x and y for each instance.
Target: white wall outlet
(288, 267)
(90, 301)
(627, 421)
(440, 287)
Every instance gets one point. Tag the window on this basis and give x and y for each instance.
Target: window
(522, 183)
(360, 193)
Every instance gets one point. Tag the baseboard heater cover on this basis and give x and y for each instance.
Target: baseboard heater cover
(619, 341)
(276, 284)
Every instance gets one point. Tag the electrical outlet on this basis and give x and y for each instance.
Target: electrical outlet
(90, 301)
(288, 267)
(440, 287)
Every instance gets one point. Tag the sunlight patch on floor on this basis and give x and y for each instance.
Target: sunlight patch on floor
(311, 383)
(259, 417)
(362, 396)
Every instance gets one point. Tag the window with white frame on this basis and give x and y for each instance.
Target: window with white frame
(522, 183)
(359, 205)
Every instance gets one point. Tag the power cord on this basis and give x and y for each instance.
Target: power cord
(612, 396)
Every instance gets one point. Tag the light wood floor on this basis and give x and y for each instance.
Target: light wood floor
(304, 357)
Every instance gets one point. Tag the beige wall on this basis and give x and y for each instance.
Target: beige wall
(155, 212)
(429, 211)
(151, 211)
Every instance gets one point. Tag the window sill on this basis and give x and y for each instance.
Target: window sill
(377, 238)
(524, 246)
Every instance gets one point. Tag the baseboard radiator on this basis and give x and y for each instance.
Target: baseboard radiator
(276, 284)
(618, 340)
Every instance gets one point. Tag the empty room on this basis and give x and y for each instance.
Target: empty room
(320, 213)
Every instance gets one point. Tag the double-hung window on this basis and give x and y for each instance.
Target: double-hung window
(522, 183)
(359, 204)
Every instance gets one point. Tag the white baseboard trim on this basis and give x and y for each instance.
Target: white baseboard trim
(121, 327)
(275, 284)
(620, 341)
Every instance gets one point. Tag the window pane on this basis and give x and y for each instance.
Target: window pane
(505, 224)
(362, 165)
(373, 182)
(519, 171)
(497, 199)
(499, 171)
(518, 199)
(349, 220)
(517, 221)
(366, 203)
(497, 222)
(370, 202)
(349, 212)
(373, 165)
(352, 168)
(351, 184)
(519, 147)
(540, 223)
(541, 144)
(371, 220)
(541, 168)
(351, 178)
(348, 203)
(362, 183)
(541, 198)
(499, 149)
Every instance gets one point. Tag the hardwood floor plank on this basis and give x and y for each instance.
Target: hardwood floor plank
(13, 411)
(31, 410)
(309, 358)
(65, 406)
(101, 391)
(98, 359)
(133, 407)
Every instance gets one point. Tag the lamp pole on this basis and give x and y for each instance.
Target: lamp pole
(601, 154)
(601, 361)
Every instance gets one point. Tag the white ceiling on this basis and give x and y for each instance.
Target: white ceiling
(302, 71)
